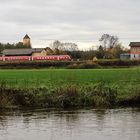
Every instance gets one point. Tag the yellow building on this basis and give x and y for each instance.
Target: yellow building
(39, 52)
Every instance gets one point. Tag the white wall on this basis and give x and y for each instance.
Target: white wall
(135, 56)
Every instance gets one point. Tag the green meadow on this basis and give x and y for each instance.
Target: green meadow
(57, 77)
(69, 87)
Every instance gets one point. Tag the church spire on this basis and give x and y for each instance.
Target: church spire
(27, 41)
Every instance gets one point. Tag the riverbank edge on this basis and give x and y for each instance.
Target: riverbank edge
(98, 95)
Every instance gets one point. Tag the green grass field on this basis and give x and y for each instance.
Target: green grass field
(63, 87)
(57, 77)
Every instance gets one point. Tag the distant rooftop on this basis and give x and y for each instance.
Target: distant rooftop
(134, 44)
(14, 52)
(26, 37)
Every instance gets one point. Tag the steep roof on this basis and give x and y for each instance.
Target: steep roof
(48, 49)
(26, 37)
(13, 52)
(134, 44)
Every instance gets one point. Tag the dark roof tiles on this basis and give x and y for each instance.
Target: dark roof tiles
(134, 44)
(26, 37)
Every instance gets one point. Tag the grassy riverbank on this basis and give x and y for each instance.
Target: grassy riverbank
(66, 88)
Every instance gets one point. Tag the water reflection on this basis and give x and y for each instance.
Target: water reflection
(110, 124)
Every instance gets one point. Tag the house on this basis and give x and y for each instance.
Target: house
(24, 52)
(39, 52)
(135, 50)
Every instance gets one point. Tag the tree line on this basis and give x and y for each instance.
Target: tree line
(109, 48)
(18, 45)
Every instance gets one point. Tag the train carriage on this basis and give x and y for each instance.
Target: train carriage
(32, 58)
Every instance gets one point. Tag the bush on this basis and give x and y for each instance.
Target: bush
(34, 64)
(68, 96)
(83, 66)
(104, 95)
(68, 64)
(119, 63)
(99, 95)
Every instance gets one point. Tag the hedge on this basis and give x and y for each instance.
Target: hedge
(68, 64)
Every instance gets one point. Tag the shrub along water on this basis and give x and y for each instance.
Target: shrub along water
(100, 94)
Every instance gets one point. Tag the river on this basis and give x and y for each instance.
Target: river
(88, 124)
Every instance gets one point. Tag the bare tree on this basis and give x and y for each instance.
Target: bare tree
(68, 46)
(57, 45)
(108, 41)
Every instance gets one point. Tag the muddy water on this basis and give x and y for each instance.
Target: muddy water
(110, 124)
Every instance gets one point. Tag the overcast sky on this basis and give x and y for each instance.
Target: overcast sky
(79, 21)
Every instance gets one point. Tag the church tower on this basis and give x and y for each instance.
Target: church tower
(27, 41)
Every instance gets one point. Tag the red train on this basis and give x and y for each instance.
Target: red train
(32, 58)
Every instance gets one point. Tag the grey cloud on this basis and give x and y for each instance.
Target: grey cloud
(69, 19)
